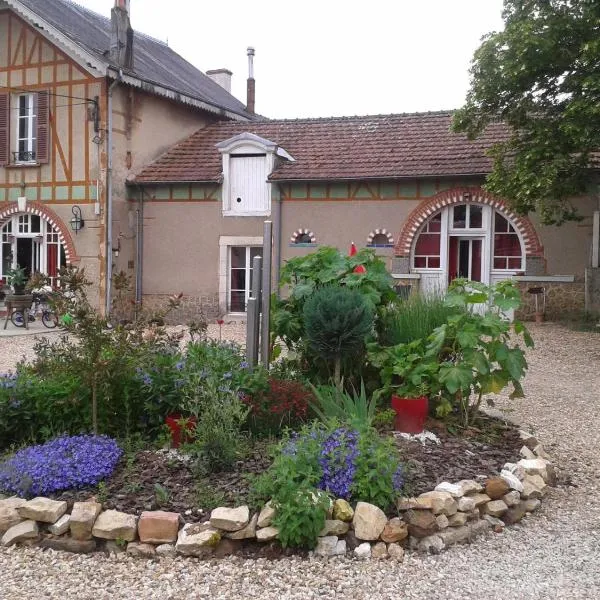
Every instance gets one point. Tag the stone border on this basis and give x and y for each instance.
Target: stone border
(452, 513)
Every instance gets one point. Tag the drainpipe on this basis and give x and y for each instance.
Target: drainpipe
(109, 195)
(277, 221)
(139, 257)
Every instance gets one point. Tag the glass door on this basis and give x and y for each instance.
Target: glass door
(465, 258)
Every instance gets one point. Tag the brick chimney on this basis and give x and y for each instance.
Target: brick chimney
(251, 88)
(121, 37)
(222, 77)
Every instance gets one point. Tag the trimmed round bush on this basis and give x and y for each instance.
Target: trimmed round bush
(60, 464)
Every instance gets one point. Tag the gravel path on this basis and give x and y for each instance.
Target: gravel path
(553, 555)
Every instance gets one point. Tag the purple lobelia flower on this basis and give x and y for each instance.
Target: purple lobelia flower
(60, 464)
(338, 462)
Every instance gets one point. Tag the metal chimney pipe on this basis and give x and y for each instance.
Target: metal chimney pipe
(251, 87)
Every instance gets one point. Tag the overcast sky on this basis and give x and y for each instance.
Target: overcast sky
(328, 57)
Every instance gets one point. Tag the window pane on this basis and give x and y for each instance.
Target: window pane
(507, 244)
(428, 244)
(22, 128)
(476, 216)
(433, 262)
(36, 224)
(237, 302)
(420, 262)
(460, 216)
(500, 223)
(238, 279)
(514, 263)
(238, 257)
(23, 105)
(435, 223)
(499, 263)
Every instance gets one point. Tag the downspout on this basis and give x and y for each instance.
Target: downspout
(109, 195)
(277, 224)
(139, 251)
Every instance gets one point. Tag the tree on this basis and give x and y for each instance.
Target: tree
(540, 76)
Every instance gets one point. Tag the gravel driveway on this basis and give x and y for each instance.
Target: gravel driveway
(552, 555)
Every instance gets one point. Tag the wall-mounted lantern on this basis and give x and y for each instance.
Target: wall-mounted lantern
(77, 221)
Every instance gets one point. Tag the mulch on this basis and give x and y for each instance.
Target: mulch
(162, 481)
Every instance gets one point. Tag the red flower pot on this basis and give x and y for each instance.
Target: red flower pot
(180, 430)
(411, 413)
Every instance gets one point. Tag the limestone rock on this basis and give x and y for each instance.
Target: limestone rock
(535, 466)
(477, 527)
(379, 550)
(267, 534)
(326, 546)
(140, 550)
(433, 544)
(528, 439)
(455, 535)
(526, 453)
(480, 499)
(8, 517)
(340, 548)
(538, 482)
(454, 489)
(442, 521)
(369, 521)
(405, 503)
(457, 520)
(158, 527)
(495, 508)
(513, 482)
(166, 550)
(363, 551)
(531, 505)
(83, 517)
(230, 519)
(342, 511)
(466, 504)
(396, 552)
(540, 452)
(61, 526)
(470, 486)
(395, 530)
(266, 515)
(440, 503)
(247, 532)
(514, 514)
(334, 527)
(515, 469)
(496, 523)
(43, 510)
(197, 539)
(512, 498)
(530, 490)
(27, 530)
(68, 544)
(496, 487)
(113, 525)
(421, 523)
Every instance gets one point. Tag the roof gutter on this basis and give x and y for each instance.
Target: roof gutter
(374, 178)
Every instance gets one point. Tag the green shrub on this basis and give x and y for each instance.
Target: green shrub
(337, 321)
(413, 319)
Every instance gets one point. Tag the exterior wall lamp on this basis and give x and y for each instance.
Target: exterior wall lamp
(77, 221)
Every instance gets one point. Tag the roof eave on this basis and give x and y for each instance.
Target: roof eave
(376, 177)
(137, 182)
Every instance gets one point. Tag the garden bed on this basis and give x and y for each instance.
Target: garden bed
(165, 480)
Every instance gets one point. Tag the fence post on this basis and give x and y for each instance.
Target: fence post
(253, 313)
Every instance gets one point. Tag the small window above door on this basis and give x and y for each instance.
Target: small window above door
(467, 216)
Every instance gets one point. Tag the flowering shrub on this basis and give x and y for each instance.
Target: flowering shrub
(356, 465)
(60, 464)
(284, 404)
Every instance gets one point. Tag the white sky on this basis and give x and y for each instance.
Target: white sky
(328, 57)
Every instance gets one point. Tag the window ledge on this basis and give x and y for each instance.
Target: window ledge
(23, 165)
(255, 213)
(301, 245)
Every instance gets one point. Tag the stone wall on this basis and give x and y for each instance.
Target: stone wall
(452, 513)
(192, 307)
(562, 299)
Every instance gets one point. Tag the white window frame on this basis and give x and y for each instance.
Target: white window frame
(30, 119)
(225, 243)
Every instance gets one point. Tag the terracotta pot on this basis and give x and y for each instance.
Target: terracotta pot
(411, 413)
(180, 432)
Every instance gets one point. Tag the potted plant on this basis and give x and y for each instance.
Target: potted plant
(409, 380)
(17, 278)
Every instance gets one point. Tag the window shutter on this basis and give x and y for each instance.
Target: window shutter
(42, 154)
(4, 129)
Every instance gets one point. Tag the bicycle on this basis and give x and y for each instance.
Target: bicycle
(39, 304)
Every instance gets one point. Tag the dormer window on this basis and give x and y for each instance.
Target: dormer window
(248, 160)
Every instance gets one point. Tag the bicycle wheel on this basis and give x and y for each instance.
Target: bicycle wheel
(49, 319)
(17, 319)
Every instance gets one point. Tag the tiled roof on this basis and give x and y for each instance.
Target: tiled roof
(154, 61)
(381, 147)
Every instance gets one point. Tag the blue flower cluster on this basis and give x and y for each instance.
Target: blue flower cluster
(8, 380)
(338, 462)
(60, 464)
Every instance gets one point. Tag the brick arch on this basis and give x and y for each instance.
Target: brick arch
(463, 195)
(35, 208)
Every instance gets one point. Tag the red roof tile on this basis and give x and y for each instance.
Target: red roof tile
(380, 147)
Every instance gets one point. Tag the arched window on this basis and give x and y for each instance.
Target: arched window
(427, 248)
(380, 238)
(508, 253)
(303, 237)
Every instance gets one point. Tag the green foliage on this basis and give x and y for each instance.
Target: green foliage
(471, 355)
(337, 321)
(539, 76)
(413, 319)
(326, 267)
(384, 420)
(16, 277)
(333, 403)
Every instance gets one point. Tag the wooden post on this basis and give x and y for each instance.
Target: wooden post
(253, 313)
